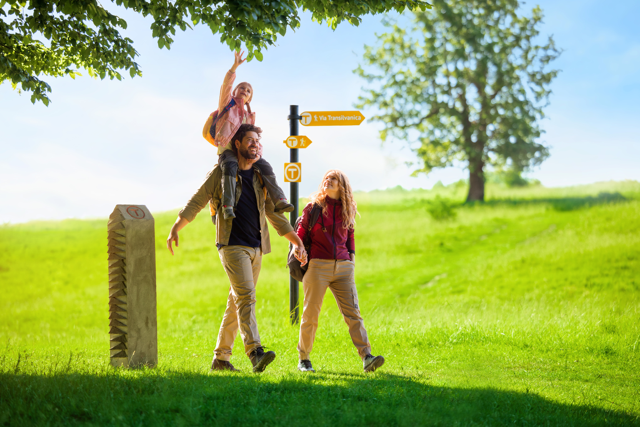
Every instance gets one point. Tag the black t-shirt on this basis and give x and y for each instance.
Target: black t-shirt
(245, 229)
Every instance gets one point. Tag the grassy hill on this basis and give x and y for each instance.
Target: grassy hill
(522, 310)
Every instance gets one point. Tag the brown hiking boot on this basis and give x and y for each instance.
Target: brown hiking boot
(222, 365)
(260, 359)
(371, 363)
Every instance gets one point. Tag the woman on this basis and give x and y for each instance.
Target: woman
(331, 265)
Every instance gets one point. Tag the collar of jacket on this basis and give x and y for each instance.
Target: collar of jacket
(239, 101)
(331, 201)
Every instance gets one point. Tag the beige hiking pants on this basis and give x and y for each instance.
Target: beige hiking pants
(242, 265)
(339, 276)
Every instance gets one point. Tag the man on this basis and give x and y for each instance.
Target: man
(241, 242)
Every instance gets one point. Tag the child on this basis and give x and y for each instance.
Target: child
(231, 114)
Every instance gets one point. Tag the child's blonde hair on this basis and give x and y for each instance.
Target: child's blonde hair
(349, 206)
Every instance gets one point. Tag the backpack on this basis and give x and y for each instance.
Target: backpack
(296, 271)
(209, 131)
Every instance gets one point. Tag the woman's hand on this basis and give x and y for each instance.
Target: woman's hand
(238, 60)
(352, 256)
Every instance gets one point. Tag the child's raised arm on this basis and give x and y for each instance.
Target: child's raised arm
(229, 78)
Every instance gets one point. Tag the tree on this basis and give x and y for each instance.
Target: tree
(57, 37)
(466, 81)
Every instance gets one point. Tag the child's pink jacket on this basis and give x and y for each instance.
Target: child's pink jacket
(228, 125)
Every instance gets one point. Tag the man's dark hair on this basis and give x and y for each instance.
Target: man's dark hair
(239, 136)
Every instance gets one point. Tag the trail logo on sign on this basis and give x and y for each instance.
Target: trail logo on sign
(297, 141)
(306, 119)
(135, 212)
(292, 172)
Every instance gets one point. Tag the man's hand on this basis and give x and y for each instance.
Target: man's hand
(173, 234)
(173, 237)
(238, 60)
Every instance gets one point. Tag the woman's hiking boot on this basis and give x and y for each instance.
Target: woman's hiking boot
(222, 365)
(371, 363)
(260, 359)
(305, 366)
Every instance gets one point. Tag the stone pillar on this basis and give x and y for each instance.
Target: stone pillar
(133, 327)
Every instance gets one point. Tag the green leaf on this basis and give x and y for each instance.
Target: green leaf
(258, 55)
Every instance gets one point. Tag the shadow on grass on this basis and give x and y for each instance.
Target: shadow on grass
(560, 204)
(152, 397)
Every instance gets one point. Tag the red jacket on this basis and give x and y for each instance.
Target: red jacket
(334, 243)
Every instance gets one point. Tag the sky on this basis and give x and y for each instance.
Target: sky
(139, 141)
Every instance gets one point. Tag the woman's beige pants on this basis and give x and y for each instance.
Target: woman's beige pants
(339, 276)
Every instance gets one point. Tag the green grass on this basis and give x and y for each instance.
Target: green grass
(520, 311)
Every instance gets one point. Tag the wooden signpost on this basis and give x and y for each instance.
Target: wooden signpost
(293, 169)
(132, 287)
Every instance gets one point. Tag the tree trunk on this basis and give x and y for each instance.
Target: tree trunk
(476, 181)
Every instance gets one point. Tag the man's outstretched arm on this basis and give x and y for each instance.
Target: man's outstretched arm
(207, 192)
(173, 234)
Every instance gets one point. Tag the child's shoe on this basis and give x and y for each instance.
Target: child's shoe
(283, 206)
(227, 211)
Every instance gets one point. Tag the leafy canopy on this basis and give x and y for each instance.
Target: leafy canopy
(467, 82)
(57, 38)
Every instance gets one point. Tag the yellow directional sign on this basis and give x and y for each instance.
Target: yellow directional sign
(292, 172)
(331, 118)
(297, 141)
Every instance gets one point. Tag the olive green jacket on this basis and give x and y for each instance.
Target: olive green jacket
(211, 192)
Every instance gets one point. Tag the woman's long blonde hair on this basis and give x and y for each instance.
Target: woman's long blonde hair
(349, 206)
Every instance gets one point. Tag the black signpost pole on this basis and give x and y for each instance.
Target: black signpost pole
(293, 216)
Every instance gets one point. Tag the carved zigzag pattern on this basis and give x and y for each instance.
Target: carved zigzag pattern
(117, 288)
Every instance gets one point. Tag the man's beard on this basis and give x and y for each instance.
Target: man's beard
(244, 152)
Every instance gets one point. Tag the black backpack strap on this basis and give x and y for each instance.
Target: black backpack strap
(314, 214)
(212, 129)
